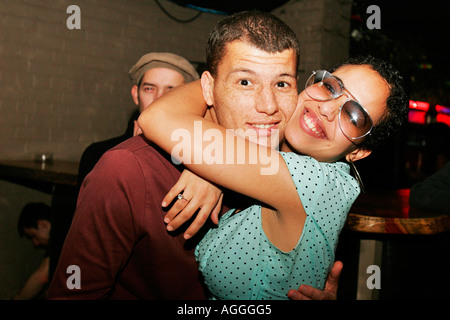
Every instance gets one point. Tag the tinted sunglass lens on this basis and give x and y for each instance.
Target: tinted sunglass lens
(331, 87)
(354, 120)
(323, 86)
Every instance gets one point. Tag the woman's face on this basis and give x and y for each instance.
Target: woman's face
(314, 129)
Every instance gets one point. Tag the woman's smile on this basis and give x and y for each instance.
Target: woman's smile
(312, 124)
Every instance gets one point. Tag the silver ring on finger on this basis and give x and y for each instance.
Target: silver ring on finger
(180, 196)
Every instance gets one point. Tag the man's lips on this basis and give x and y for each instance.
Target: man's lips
(263, 129)
(312, 124)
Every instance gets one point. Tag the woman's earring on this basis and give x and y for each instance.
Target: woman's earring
(357, 176)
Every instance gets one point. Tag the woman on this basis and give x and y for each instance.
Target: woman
(260, 253)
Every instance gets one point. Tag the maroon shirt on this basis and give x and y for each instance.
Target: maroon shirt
(118, 238)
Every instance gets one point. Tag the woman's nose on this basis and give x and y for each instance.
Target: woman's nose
(330, 109)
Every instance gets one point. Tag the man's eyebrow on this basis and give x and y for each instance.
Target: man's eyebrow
(243, 70)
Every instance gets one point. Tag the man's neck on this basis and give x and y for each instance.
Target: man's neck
(211, 115)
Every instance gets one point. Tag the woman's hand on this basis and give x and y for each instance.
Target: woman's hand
(198, 195)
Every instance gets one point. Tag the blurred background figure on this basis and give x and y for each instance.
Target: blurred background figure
(433, 194)
(153, 75)
(34, 223)
(431, 190)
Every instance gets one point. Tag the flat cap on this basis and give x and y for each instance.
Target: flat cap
(162, 60)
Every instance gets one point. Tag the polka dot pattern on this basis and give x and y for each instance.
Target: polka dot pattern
(239, 262)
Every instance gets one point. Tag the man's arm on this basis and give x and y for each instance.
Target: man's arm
(103, 230)
(306, 292)
(36, 283)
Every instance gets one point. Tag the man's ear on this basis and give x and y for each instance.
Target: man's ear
(357, 155)
(207, 82)
(135, 94)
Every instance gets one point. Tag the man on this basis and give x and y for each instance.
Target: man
(153, 75)
(34, 223)
(118, 238)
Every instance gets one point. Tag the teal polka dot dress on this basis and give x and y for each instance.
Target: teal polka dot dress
(237, 260)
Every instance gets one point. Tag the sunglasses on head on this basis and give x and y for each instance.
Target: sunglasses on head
(354, 120)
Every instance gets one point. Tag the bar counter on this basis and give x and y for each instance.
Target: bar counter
(392, 235)
(55, 172)
(389, 212)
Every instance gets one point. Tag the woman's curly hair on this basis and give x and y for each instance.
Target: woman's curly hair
(396, 104)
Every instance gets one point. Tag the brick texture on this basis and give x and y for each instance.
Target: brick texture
(63, 89)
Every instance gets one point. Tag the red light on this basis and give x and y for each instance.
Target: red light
(415, 116)
(444, 118)
(419, 105)
(442, 109)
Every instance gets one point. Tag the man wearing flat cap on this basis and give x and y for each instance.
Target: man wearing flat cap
(111, 237)
(153, 75)
(156, 73)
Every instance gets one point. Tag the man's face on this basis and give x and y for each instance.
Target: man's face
(253, 90)
(154, 83)
(39, 236)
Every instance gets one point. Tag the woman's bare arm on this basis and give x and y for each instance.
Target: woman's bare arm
(175, 122)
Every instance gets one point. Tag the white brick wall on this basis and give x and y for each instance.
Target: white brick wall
(63, 89)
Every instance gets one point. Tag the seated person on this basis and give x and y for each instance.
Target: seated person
(34, 223)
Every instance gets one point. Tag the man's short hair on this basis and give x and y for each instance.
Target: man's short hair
(31, 213)
(260, 29)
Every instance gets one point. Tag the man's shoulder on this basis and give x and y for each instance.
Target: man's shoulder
(134, 143)
(95, 150)
(133, 162)
(136, 164)
(139, 146)
(145, 154)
